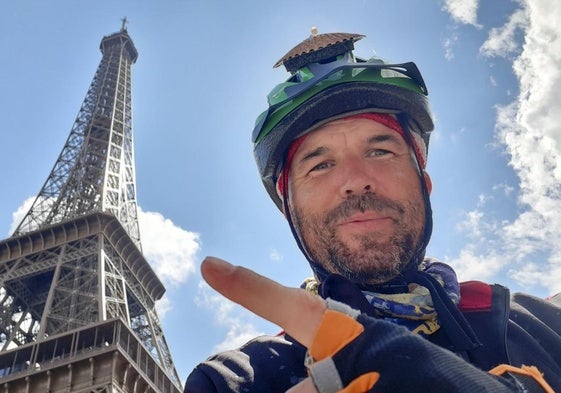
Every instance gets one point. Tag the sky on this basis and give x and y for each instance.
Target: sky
(493, 71)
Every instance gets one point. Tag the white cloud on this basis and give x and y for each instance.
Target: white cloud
(170, 249)
(472, 225)
(238, 334)
(529, 128)
(477, 225)
(483, 199)
(502, 40)
(527, 275)
(471, 265)
(275, 255)
(463, 11)
(527, 248)
(506, 188)
(227, 314)
(449, 44)
(163, 306)
(20, 213)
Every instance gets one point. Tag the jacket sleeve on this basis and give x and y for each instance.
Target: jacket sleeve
(397, 360)
(265, 364)
(199, 382)
(403, 362)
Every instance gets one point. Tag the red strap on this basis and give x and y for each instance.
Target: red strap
(475, 296)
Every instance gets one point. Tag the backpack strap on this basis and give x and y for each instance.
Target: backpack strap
(486, 308)
(475, 296)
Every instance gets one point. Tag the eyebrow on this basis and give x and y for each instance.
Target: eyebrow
(393, 138)
(314, 153)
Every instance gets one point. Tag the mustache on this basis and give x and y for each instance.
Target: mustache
(363, 203)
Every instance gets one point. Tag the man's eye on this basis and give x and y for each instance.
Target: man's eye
(321, 166)
(378, 152)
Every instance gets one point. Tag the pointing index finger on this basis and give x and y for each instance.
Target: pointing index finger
(296, 311)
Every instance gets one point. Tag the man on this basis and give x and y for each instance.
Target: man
(342, 151)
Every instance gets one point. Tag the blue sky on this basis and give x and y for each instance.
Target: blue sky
(204, 69)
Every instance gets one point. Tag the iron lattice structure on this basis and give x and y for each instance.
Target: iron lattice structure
(95, 170)
(74, 285)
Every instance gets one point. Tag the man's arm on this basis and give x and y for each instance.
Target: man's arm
(363, 351)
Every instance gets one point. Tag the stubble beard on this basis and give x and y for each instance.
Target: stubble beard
(372, 260)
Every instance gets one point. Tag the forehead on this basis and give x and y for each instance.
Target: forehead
(359, 129)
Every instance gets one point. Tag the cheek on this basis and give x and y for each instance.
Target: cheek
(403, 182)
(312, 197)
(308, 202)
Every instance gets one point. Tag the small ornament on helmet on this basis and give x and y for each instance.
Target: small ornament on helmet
(317, 48)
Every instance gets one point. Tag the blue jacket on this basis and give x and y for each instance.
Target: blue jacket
(518, 330)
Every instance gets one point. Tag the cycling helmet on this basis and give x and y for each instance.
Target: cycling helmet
(328, 82)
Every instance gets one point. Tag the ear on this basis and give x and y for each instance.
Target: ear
(428, 181)
(279, 193)
(282, 210)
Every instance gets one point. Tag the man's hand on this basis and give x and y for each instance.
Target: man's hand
(296, 311)
(307, 318)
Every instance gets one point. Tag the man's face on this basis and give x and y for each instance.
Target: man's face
(357, 199)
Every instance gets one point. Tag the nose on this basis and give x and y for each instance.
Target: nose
(350, 191)
(356, 178)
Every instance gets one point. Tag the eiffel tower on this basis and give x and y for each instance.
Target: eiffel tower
(77, 297)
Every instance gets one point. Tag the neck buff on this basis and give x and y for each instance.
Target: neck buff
(412, 308)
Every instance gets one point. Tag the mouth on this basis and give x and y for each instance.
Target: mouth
(366, 220)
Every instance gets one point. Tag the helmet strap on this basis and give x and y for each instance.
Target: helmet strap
(427, 229)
